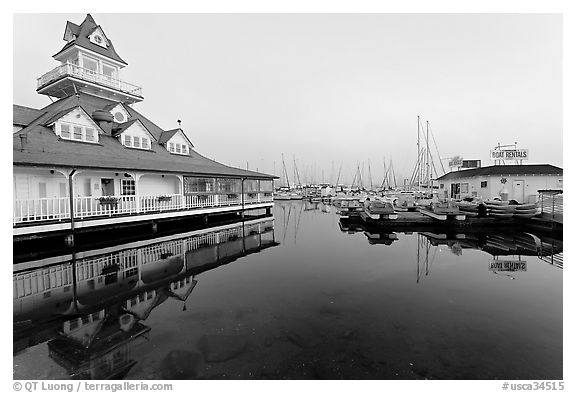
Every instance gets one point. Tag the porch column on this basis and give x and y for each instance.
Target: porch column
(216, 199)
(137, 177)
(183, 197)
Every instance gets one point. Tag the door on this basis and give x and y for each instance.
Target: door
(455, 190)
(518, 192)
(21, 195)
(107, 187)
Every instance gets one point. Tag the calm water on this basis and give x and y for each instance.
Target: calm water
(300, 296)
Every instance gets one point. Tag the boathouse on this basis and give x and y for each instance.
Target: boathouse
(89, 159)
(518, 182)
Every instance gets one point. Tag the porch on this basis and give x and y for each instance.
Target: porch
(104, 195)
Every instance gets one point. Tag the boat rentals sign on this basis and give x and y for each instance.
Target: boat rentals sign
(508, 266)
(455, 162)
(511, 155)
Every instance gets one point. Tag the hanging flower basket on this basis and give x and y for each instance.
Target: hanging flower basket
(251, 195)
(108, 201)
(164, 198)
(232, 196)
(202, 197)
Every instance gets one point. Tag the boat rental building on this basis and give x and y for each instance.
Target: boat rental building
(90, 160)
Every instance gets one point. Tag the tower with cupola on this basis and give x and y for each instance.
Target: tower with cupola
(89, 63)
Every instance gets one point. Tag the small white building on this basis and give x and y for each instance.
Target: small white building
(518, 182)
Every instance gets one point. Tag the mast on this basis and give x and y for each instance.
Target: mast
(427, 161)
(370, 175)
(418, 163)
(339, 172)
(285, 172)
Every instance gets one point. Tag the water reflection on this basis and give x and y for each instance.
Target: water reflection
(505, 248)
(91, 306)
(337, 300)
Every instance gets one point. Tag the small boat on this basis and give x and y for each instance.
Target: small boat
(281, 197)
(526, 206)
(378, 207)
(500, 214)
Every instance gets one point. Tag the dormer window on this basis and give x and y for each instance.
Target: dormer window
(97, 37)
(133, 134)
(178, 148)
(136, 142)
(77, 132)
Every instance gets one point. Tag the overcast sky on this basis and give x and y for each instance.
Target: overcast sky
(330, 89)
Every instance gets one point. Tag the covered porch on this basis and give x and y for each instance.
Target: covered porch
(43, 195)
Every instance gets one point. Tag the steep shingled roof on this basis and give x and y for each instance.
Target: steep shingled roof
(23, 115)
(167, 135)
(83, 32)
(44, 148)
(499, 170)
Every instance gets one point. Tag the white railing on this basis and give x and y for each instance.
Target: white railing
(49, 209)
(104, 206)
(160, 203)
(200, 200)
(90, 76)
(40, 281)
(42, 209)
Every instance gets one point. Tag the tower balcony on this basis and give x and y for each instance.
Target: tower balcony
(66, 79)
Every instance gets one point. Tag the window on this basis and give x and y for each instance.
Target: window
(483, 184)
(198, 184)
(266, 185)
(128, 140)
(171, 147)
(90, 65)
(65, 131)
(178, 148)
(464, 188)
(108, 71)
(184, 149)
(145, 144)
(128, 187)
(119, 117)
(90, 134)
(137, 141)
(78, 133)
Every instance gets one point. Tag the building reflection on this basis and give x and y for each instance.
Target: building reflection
(91, 307)
(505, 248)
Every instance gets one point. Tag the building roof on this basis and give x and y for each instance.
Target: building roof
(43, 147)
(167, 135)
(500, 170)
(23, 115)
(82, 33)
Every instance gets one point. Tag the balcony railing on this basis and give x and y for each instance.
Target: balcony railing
(89, 76)
(58, 209)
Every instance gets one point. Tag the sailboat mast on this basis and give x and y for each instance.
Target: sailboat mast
(419, 163)
(285, 172)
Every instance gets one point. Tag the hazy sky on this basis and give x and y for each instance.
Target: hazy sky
(329, 88)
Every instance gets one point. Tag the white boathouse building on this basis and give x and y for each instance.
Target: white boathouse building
(89, 159)
(518, 182)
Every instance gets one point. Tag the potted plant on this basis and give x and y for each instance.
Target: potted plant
(108, 201)
(164, 198)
